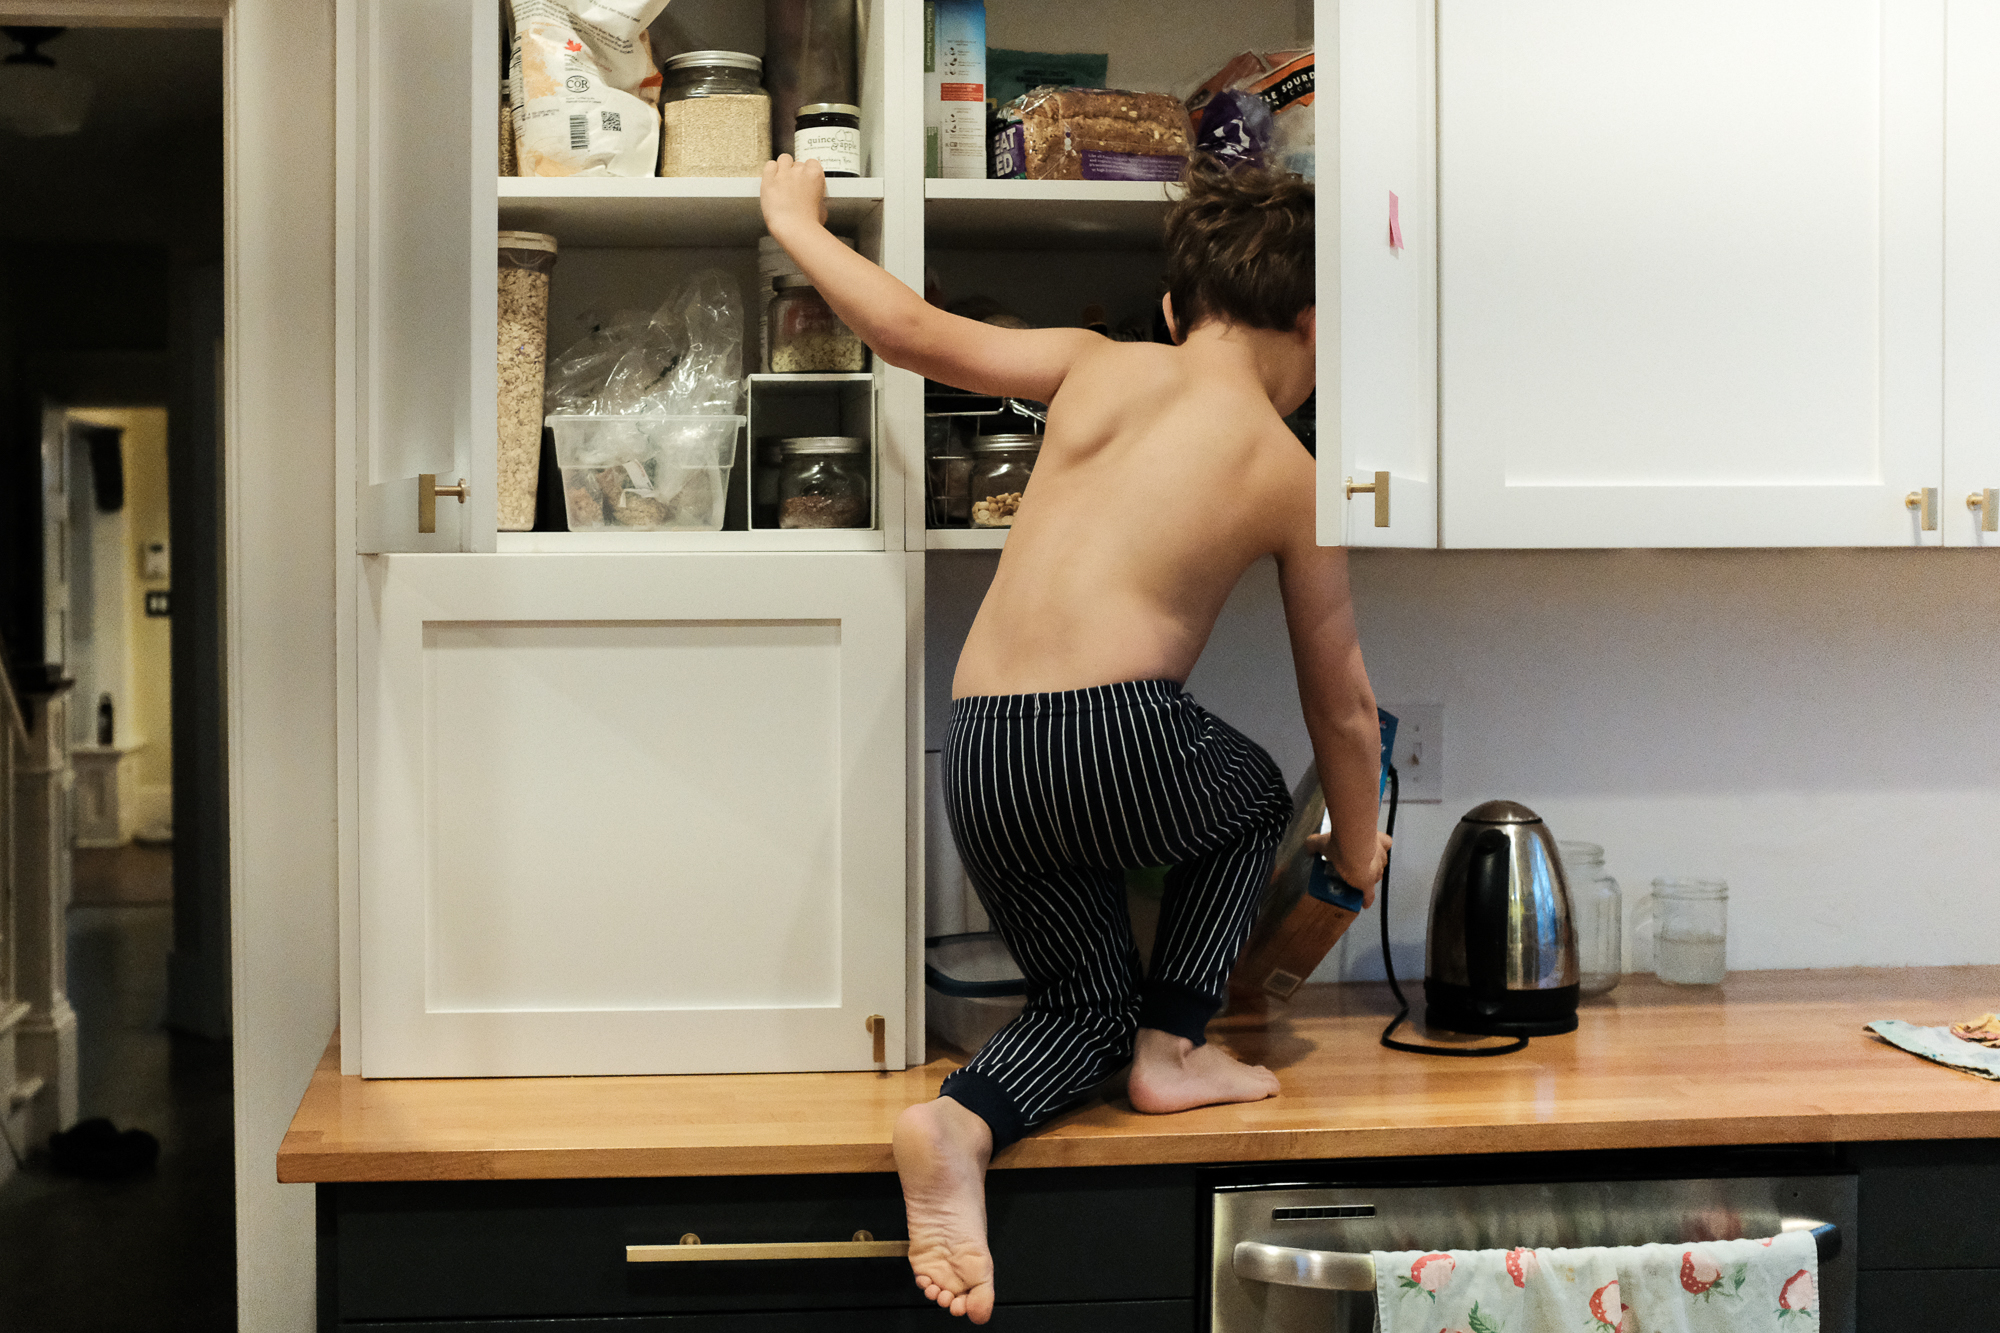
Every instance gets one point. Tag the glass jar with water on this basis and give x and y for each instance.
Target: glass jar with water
(1691, 930)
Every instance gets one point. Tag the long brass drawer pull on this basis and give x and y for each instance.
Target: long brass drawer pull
(691, 1250)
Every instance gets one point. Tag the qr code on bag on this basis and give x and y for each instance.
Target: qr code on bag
(611, 122)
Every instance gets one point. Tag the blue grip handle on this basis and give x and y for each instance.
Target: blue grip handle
(1328, 887)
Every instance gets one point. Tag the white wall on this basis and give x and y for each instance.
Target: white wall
(278, 450)
(1820, 728)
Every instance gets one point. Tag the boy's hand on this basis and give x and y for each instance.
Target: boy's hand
(794, 195)
(1351, 872)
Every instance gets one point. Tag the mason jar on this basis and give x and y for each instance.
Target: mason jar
(1598, 911)
(1001, 465)
(829, 133)
(715, 118)
(806, 337)
(823, 482)
(1691, 930)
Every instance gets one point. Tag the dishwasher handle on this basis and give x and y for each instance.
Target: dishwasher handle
(1331, 1270)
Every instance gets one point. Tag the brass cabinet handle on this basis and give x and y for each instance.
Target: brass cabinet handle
(427, 493)
(878, 1028)
(1379, 488)
(1987, 504)
(1924, 502)
(691, 1250)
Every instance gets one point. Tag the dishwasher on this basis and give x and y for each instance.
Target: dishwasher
(1291, 1255)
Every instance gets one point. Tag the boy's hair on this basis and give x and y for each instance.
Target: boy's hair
(1240, 248)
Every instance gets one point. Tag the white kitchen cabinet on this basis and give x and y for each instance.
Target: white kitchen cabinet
(1972, 276)
(1690, 271)
(631, 813)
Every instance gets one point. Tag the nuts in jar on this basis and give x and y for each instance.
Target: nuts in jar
(1001, 466)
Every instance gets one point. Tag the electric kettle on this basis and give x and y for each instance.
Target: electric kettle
(1501, 955)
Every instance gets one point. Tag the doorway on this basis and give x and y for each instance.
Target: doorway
(110, 324)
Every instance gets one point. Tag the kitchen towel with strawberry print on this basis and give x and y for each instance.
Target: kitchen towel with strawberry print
(1714, 1286)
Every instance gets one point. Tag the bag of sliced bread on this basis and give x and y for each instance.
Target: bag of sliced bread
(586, 91)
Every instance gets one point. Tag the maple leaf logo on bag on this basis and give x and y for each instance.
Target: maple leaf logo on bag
(1799, 1295)
(572, 45)
(1522, 1264)
(1428, 1274)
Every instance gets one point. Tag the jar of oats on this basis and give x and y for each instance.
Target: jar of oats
(715, 117)
(525, 260)
(1001, 465)
(805, 336)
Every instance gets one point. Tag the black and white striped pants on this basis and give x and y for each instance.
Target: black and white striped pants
(1051, 798)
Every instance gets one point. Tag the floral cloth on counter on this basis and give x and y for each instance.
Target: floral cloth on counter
(1938, 1044)
(1717, 1286)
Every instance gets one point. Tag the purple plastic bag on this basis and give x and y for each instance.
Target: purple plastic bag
(1235, 129)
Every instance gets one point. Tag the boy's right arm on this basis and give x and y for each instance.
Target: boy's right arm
(904, 329)
(1338, 702)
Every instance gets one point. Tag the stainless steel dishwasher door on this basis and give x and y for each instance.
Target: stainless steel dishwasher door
(1357, 1219)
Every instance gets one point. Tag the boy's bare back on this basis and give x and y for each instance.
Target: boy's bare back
(1164, 472)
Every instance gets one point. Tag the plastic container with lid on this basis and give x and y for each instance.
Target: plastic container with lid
(806, 337)
(715, 118)
(526, 258)
(975, 986)
(1001, 465)
(823, 482)
(829, 133)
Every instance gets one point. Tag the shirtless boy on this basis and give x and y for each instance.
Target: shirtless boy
(1073, 752)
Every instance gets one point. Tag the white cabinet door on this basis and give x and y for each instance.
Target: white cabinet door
(631, 814)
(1690, 275)
(418, 129)
(1972, 272)
(1377, 289)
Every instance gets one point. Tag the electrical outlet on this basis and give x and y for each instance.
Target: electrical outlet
(1419, 751)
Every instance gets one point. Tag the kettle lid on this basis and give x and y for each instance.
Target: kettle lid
(1501, 812)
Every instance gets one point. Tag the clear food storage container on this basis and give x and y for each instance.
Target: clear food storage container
(646, 474)
(1598, 910)
(526, 257)
(715, 118)
(823, 482)
(975, 988)
(805, 336)
(1001, 465)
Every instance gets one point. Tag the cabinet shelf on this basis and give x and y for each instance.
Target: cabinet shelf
(628, 211)
(631, 543)
(1045, 215)
(965, 539)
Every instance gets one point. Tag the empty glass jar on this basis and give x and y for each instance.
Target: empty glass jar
(1598, 911)
(1691, 925)
(823, 482)
(1001, 465)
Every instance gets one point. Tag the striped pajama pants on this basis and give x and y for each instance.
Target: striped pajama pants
(1051, 798)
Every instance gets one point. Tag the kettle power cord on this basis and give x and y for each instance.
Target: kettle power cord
(1402, 1004)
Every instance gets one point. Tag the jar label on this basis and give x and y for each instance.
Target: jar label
(837, 148)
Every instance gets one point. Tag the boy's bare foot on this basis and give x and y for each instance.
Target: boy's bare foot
(1171, 1073)
(941, 1154)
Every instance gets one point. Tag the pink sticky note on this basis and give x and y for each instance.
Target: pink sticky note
(1395, 222)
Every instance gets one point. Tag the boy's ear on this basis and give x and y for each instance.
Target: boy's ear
(1308, 325)
(1173, 325)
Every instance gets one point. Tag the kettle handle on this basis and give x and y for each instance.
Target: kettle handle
(1486, 903)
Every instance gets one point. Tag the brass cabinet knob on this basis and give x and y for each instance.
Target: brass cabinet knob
(1986, 504)
(1379, 488)
(878, 1028)
(1924, 503)
(428, 492)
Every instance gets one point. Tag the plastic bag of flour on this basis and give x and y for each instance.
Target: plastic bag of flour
(586, 91)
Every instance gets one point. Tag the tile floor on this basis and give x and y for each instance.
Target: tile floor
(155, 1254)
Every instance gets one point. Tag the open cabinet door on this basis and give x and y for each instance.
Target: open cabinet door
(416, 287)
(1377, 274)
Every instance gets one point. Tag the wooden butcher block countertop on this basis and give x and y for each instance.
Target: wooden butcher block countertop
(1768, 1057)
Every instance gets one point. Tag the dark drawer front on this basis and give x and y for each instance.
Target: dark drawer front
(1098, 1317)
(557, 1248)
(1905, 1300)
(1928, 1205)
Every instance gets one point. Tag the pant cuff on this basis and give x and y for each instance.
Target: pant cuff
(1169, 1006)
(989, 1101)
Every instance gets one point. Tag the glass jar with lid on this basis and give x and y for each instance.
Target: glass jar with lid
(1598, 910)
(829, 133)
(806, 337)
(715, 117)
(1001, 465)
(823, 482)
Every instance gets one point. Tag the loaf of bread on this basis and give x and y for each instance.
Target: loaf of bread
(1092, 134)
